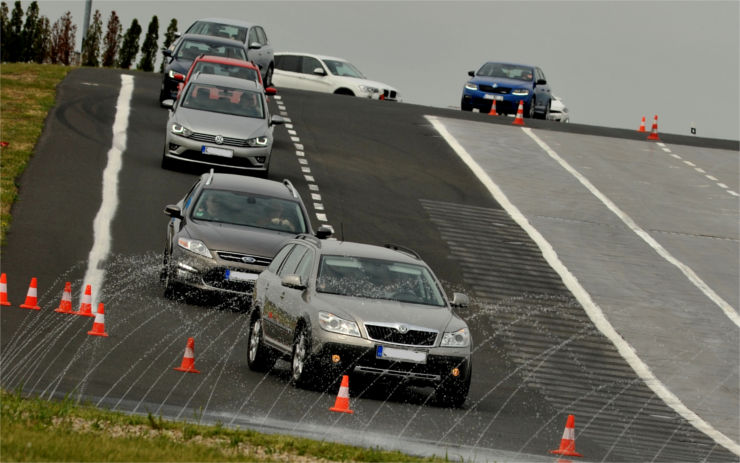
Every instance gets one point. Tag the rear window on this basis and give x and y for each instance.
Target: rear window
(226, 70)
(219, 30)
(191, 49)
(226, 100)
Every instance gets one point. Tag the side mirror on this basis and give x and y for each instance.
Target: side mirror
(319, 72)
(167, 52)
(179, 77)
(293, 281)
(542, 82)
(324, 231)
(271, 91)
(255, 46)
(460, 300)
(173, 211)
(277, 120)
(471, 73)
(169, 103)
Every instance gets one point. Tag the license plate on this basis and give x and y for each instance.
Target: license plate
(390, 353)
(488, 96)
(240, 276)
(214, 151)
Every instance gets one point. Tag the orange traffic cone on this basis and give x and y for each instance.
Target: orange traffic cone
(3, 290)
(493, 112)
(188, 360)
(98, 328)
(86, 304)
(568, 442)
(519, 119)
(65, 306)
(342, 402)
(31, 297)
(654, 132)
(642, 125)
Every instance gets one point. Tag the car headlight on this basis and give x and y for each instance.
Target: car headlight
(179, 129)
(258, 141)
(471, 86)
(196, 246)
(368, 89)
(459, 338)
(334, 324)
(520, 91)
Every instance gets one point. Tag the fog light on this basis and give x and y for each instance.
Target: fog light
(335, 358)
(261, 159)
(455, 372)
(174, 147)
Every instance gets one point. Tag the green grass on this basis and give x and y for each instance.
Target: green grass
(27, 92)
(38, 430)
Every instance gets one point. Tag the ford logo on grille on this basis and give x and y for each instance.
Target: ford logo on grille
(403, 329)
(219, 139)
(249, 260)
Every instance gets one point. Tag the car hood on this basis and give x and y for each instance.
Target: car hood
(236, 238)
(359, 81)
(502, 82)
(364, 310)
(241, 127)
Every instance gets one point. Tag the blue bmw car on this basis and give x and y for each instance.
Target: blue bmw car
(507, 84)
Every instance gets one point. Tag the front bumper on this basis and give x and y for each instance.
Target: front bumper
(241, 157)
(505, 103)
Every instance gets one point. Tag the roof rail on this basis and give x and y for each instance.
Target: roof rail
(210, 177)
(403, 249)
(291, 188)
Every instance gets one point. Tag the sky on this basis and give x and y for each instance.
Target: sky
(612, 62)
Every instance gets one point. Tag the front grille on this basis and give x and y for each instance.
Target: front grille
(413, 337)
(250, 162)
(207, 138)
(389, 94)
(491, 89)
(240, 257)
(398, 373)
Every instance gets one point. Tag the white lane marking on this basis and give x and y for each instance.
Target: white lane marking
(667, 150)
(732, 193)
(676, 156)
(95, 273)
(298, 146)
(712, 178)
(316, 196)
(321, 217)
(592, 309)
(685, 269)
(313, 187)
(277, 97)
(309, 178)
(689, 163)
(300, 153)
(318, 206)
(722, 185)
(700, 170)
(291, 132)
(303, 161)
(295, 139)
(306, 170)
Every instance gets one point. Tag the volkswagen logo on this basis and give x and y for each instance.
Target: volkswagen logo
(403, 329)
(219, 139)
(249, 260)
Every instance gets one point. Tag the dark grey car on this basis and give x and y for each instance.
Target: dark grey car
(226, 230)
(334, 308)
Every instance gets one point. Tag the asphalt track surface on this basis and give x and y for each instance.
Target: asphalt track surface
(386, 175)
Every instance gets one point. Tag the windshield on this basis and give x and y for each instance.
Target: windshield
(377, 279)
(221, 69)
(191, 49)
(224, 100)
(343, 68)
(506, 71)
(240, 208)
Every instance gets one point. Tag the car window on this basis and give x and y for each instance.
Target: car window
(191, 49)
(506, 71)
(309, 64)
(261, 36)
(343, 68)
(189, 196)
(279, 257)
(377, 279)
(252, 37)
(225, 100)
(292, 261)
(291, 63)
(305, 266)
(218, 30)
(226, 70)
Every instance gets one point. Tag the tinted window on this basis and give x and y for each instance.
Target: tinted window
(261, 36)
(218, 30)
(252, 37)
(225, 100)
(305, 266)
(191, 49)
(291, 263)
(309, 64)
(290, 63)
(278, 260)
(226, 70)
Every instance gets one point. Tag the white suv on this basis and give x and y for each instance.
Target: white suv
(304, 71)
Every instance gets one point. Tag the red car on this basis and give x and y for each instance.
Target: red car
(220, 65)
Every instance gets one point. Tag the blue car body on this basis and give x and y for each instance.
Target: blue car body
(507, 84)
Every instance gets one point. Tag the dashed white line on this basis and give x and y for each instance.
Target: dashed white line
(712, 178)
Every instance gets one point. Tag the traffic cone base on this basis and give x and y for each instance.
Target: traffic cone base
(98, 328)
(568, 442)
(4, 290)
(519, 119)
(65, 305)
(188, 360)
(341, 404)
(86, 304)
(31, 297)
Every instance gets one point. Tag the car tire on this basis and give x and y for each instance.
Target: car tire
(171, 290)
(465, 106)
(260, 358)
(268, 77)
(300, 362)
(344, 91)
(452, 393)
(166, 162)
(530, 113)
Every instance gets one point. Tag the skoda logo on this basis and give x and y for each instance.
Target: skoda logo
(219, 139)
(403, 329)
(495, 85)
(249, 260)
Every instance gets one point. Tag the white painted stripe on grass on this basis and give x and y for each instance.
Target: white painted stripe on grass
(592, 309)
(95, 274)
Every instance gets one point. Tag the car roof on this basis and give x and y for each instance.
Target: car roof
(354, 249)
(227, 21)
(225, 60)
(210, 39)
(260, 186)
(313, 55)
(234, 82)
